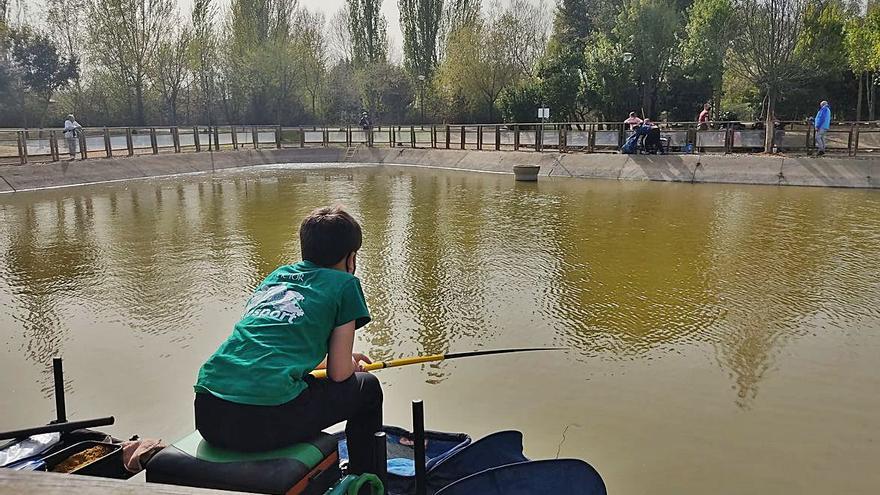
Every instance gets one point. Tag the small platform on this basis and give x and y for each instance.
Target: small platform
(23, 483)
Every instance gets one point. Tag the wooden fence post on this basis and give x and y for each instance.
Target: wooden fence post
(53, 145)
(108, 149)
(83, 151)
(856, 144)
(447, 136)
(196, 141)
(497, 138)
(463, 137)
(479, 137)
(849, 140)
(216, 139)
(255, 135)
(175, 138)
(562, 146)
(22, 147)
(278, 137)
(412, 136)
(302, 137)
(591, 138)
(153, 141)
(515, 137)
(129, 142)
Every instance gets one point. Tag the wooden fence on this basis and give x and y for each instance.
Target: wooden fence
(24, 145)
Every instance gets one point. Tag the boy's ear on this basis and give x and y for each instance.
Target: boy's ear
(351, 262)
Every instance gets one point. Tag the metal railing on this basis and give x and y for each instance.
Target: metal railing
(24, 145)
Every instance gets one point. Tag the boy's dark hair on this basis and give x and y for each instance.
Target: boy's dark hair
(329, 234)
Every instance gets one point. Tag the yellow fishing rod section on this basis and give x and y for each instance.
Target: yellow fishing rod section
(394, 363)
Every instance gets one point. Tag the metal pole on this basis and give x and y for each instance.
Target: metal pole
(58, 374)
(418, 411)
(380, 457)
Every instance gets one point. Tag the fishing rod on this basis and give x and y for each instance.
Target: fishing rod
(394, 363)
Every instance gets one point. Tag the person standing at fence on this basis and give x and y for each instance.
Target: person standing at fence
(703, 119)
(71, 135)
(632, 121)
(822, 123)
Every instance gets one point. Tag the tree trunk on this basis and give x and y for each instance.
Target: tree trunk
(139, 97)
(769, 128)
(871, 95)
(859, 99)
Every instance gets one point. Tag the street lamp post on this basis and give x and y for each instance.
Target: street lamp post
(422, 95)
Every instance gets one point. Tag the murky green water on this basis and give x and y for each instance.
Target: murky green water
(725, 339)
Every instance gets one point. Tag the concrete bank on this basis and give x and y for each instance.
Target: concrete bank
(730, 169)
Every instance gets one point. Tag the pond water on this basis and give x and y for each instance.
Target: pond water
(724, 339)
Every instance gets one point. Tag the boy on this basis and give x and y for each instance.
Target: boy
(255, 393)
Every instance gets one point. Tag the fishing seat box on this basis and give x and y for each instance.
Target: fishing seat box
(308, 468)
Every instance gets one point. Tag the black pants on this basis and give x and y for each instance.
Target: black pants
(324, 403)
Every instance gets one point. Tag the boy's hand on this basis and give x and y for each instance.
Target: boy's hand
(357, 358)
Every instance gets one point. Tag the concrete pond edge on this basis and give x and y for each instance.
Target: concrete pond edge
(847, 172)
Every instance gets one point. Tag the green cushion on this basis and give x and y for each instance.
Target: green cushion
(197, 447)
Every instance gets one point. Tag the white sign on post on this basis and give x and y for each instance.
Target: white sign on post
(544, 113)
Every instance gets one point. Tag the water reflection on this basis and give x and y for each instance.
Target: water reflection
(452, 261)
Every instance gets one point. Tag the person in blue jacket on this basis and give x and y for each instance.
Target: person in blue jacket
(823, 121)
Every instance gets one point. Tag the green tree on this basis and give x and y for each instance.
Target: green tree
(560, 67)
(706, 41)
(40, 68)
(367, 29)
(648, 29)
(420, 22)
(607, 80)
(518, 103)
(764, 50)
(477, 65)
(862, 47)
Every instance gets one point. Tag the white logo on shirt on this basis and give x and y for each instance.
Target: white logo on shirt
(277, 302)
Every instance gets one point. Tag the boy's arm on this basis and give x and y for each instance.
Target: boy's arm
(341, 363)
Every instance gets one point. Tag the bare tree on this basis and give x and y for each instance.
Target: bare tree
(125, 39)
(312, 44)
(171, 69)
(764, 49)
(340, 36)
(525, 27)
(203, 53)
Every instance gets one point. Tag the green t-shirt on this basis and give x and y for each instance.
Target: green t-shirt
(283, 335)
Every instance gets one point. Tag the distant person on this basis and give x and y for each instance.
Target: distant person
(703, 119)
(71, 135)
(365, 122)
(632, 121)
(822, 123)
